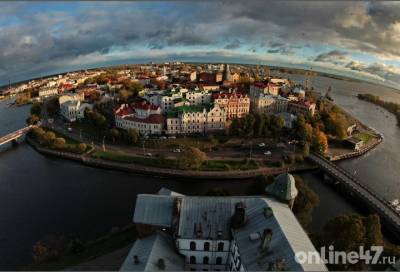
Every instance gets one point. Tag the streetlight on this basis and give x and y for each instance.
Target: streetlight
(104, 146)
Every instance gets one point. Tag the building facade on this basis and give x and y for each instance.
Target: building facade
(143, 116)
(235, 104)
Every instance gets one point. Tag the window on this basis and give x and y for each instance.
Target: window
(205, 260)
(220, 246)
(219, 260)
(192, 259)
(206, 246)
(192, 245)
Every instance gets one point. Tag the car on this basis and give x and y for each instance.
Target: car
(177, 150)
(267, 153)
(261, 144)
(163, 138)
(149, 154)
(171, 137)
(50, 120)
(69, 129)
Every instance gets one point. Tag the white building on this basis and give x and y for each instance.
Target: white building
(143, 116)
(198, 233)
(73, 110)
(197, 97)
(47, 92)
(268, 104)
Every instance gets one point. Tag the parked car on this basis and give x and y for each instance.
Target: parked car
(267, 153)
(177, 150)
(261, 144)
(149, 154)
(163, 138)
(171, 137)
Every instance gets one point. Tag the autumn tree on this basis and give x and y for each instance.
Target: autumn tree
(191, 158)
(59, 143)
(319, 142)
(133, 135)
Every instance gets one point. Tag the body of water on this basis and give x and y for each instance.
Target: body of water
(41, 195)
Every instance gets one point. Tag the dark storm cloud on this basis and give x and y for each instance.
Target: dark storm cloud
(47, 40)
(233, 44)
(334, 56)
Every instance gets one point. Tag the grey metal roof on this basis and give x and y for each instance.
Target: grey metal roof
(213, 214)
(150, 250)
(154, 210)
(168, 192)
(288, 237)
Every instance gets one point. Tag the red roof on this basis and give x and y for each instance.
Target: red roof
(124, 110)
(152, 119)
(227, 95)
(260, 85)
(145, 106)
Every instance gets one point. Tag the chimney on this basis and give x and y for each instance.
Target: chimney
(266, 240)
(177, 206)
(136, 259)
(199, 231)
(239, 217)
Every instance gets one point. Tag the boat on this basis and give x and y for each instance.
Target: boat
(398, 208)
(395, 202)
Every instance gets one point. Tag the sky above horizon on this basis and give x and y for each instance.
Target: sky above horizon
(360, 39)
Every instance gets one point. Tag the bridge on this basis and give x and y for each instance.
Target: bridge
(389, 216)
(14, 135)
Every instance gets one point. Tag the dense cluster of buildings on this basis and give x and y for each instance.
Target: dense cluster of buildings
(194, 233)
(208, 101)
(177, 98)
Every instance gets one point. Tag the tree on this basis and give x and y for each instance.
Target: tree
(33, 119)
(52, 106)
(191, 158)
(133, 135)
(123, 96)
(47, 138)
(306, 149)
(36, 108)
(305, 202)
(37, 132)
(113, 134)
(319, 141)
(82, 147)
(59, 143)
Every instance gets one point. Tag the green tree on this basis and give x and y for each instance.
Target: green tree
(47, 138)
(191, 158)
(52, 106)
(113, 134)
(305, 202)
(36, 108)
(133, 135)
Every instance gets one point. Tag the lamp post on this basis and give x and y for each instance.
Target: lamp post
(104, 146)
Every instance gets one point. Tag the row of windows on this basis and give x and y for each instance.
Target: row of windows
(206, 246)
(206, 260)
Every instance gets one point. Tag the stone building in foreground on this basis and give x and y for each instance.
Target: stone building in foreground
(199, 233)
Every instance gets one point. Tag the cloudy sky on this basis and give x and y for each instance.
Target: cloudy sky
(361, 39)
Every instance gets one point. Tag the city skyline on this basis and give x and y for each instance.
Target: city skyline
(349, 38)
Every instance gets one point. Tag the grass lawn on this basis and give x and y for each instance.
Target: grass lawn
(70, 144)
(118, 157)
(182, 142)
(364, 136)
(209, 165)
(220, 165)
(91, 251)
